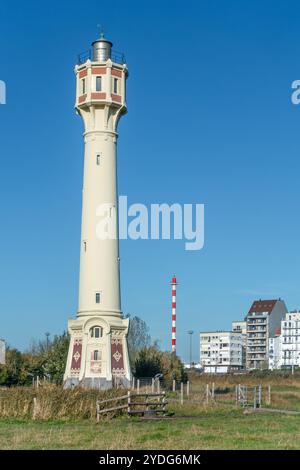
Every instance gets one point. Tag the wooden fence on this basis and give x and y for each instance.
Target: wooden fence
(135, 404)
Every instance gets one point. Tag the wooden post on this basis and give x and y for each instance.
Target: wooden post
(37, 382)
(158, 386)
(254, 398)
(147, 404)
(259, 395)
(188, 388)
(133, 382)
(213, 390)
(33, 381)
(98, 411)
(236, 395)
(181, 393)
(164, 402)
(152, 386)
(138, 386)
(269, 394)
(128, 402)
(174, 385)
(207, 393)
(34, 413)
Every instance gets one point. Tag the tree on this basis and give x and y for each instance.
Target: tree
(138, 337)
(44, 358)
(14, 371)
(151, 361)
(148, 362)
(56, 357)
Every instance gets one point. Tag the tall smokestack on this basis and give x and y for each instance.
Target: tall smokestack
(174, 284)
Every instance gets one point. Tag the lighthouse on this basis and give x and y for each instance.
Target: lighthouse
(98, 354)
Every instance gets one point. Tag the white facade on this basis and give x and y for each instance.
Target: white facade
(2, 351)
(239, 326)
(290, 341)
(221, 351)
(275, 352)
(284, 350)
(98, 354)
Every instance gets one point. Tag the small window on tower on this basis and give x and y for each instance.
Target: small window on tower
(115, 85)
(98, 83)
(83, 86)
(96, 332)
(97, 297)
(96, 355)
(84, 245)
(98, 157)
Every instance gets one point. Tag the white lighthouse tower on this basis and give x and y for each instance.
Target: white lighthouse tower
(98, 355)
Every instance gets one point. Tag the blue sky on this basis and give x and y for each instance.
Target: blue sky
(210, 121)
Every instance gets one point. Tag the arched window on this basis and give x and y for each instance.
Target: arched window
(96, 332)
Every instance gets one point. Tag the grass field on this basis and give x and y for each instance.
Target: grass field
(219, 425)
(211, 429)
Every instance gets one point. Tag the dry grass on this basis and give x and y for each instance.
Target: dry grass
(285, 388)
(52, 402)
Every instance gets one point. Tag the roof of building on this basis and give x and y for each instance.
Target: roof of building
(220, 332)
(260, 306)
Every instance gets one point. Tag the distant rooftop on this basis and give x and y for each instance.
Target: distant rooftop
(260, 306)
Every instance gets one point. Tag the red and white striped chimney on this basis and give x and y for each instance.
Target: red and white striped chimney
(174, 284)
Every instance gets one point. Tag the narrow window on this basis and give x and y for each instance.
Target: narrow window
(84, 246)
(96, 332)
(115, 85)
(98, 83)
(97, 297)
(96, 355)
(98, 158)
(83, 86)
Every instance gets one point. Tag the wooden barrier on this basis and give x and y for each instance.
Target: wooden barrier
(145, 402)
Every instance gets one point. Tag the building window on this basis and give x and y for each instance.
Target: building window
(84, 245)
(96, 355)
(98, 298)
(96, 332)
(98, 83)
(83, 86)
(115, 85)
(98, 157)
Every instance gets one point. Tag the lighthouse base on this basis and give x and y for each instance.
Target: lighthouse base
(98, 355)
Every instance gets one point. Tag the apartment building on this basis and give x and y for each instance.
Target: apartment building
(241, 327)
(290, 341)
(262, 320)
(275, 352)
(221, 351)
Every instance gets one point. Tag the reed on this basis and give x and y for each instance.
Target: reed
(51, 402)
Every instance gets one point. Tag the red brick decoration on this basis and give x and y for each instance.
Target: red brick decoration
(98, 96)
(81, 98)
(82, 73)
(99, 70)
(76, 355)
(116, 73)
(117, 360)
(116, 98)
